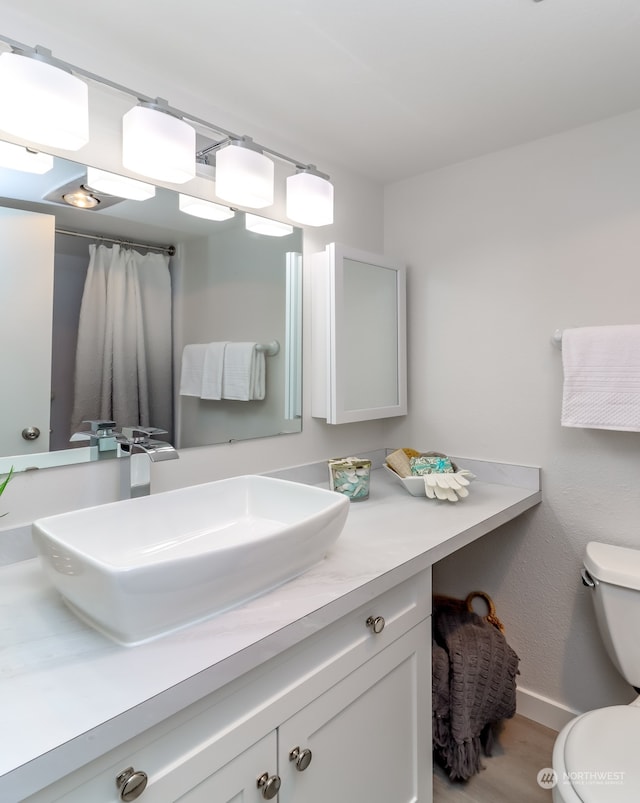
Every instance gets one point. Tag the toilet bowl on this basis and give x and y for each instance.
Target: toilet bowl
(595, 756)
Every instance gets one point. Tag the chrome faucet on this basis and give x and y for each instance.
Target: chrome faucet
(141, 448)
(100, 434)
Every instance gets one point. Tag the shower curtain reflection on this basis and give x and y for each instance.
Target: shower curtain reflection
(123, 358)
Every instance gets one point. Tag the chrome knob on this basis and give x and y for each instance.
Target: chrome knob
(301, 757)
(31, 433)
(376, 623)
(269, 785)
(131, 783)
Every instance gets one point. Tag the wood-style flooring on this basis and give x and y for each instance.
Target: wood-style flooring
(520, 750)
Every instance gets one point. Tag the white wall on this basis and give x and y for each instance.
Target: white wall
(502, 250)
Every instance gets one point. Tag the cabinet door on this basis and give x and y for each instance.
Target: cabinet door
(237, 781)
(358, 319)
(369, 735)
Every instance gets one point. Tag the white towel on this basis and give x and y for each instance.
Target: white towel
(601, 377)
(212, 371)
(243, 373)
(192, 369)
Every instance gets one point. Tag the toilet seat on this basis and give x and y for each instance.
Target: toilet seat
(600, 757)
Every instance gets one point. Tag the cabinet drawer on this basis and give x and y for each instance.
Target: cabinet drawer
(376, 624)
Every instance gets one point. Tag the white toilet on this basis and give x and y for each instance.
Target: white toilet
(596, 756)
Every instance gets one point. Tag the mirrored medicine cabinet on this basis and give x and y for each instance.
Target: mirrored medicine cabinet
(359, 349)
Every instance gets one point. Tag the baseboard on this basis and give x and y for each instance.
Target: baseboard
(543, 710)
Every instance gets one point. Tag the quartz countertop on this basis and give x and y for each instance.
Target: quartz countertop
(68, 694)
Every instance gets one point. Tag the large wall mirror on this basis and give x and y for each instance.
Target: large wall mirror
(203, 282)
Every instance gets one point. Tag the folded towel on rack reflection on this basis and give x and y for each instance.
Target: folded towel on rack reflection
(192, 369)
(212, 370)
(243, 374)
(601, 377)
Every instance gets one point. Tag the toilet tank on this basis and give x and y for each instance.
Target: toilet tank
(615, 571)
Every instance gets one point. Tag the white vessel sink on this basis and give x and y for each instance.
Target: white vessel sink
(140, 568)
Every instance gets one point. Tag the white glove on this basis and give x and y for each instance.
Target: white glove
(450, 486)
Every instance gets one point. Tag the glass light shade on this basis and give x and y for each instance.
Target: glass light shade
(204, 209)
(120, 186)
(309, 199)
(244, 176)
(263, 225)
(158, 145)
(42, 103)
(16, 157)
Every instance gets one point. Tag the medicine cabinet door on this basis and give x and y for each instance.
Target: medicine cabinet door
(358, 336)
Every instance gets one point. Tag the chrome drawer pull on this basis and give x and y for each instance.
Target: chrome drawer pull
(269, 785)
(131, 784)
(301, 757)
(376, 623)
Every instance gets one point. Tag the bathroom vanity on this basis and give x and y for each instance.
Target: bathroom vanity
(320, 689)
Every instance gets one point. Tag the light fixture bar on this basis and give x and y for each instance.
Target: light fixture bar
(186, 116)
(153, 129)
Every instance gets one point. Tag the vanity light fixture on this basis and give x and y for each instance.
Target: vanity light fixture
(158, 144)
(208, 210)
(244, 175)
(15, 157)
(158, 140)
(310, 197)
(263, 225)
(41, 101)
(120, 186)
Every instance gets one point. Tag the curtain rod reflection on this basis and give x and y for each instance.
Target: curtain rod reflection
(170, 250)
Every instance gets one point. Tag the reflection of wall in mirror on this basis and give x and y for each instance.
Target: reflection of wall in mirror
(371, 331)
(26, 287)
(232, 288)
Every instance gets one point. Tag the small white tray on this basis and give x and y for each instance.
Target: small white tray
(415, 485)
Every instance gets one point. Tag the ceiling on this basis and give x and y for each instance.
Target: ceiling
(389, 89)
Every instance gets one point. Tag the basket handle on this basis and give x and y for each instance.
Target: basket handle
(491, 616)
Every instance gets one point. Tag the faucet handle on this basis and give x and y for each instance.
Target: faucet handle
(137, 434)
(99, 424)
(99, 429)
